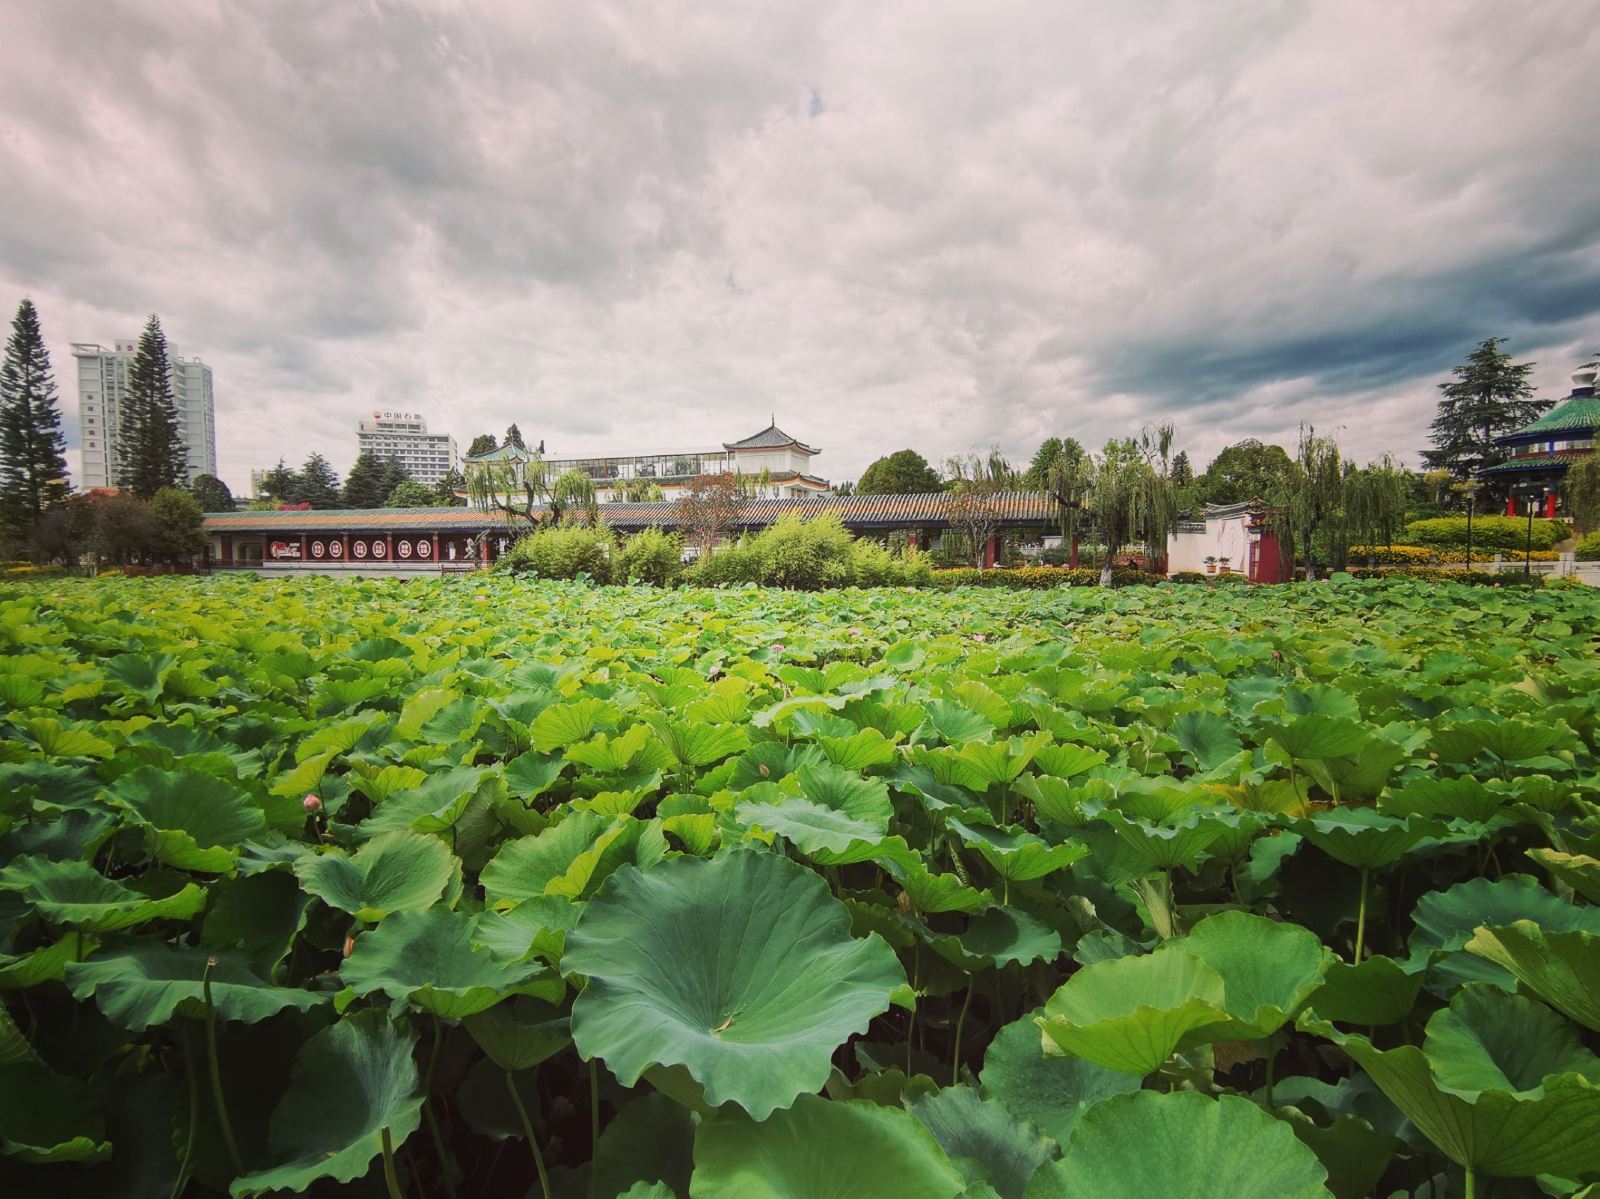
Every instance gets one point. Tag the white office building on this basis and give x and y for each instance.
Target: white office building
(429, 457)
(102, 390)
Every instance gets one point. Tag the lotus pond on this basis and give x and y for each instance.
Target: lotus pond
(465, 887)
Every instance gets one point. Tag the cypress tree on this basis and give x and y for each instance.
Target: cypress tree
(319, 484)
(1489, 397)
(514, 437)
(150, 453)
(33, 468)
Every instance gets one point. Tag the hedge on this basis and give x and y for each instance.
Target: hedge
(1589, 548)
(1040, 578)
(1434, 574)
(1488, 532)
(1427, 555)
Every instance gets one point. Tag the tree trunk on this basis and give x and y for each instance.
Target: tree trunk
(1311, 566)
(1105, 571)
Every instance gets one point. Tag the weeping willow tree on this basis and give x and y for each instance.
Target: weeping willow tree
(1313, 496)
(1066, 478)
(1131, 495)
(1583, 493)
(524, 491)
(1375, 501)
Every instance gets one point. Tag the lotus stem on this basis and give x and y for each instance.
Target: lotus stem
(1361, 917)
(1472, 1182)
(391, 1180)
(1272, 1057)
(527, 1128)
(594, 1103)
(194, 1112)
(216, 1070)
(427, 1108)
(961, 1020)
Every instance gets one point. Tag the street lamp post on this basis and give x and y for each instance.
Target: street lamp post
(1527, 549)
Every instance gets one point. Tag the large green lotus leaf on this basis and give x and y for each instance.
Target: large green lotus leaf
(149, 982)
(1050, 1092)
(694, 745)
(1169, 844)
(1004, 935)
(259, 913)
(1578, 871)
(1130, 1013)
(526, 866)
(48, 963)
(836, 812)
(143, 675)
(535, 926)
(1508, 740)
(998, 763)
(1016, 855)
(47, 1118)
(1444, 921)
(821, 1149)
(967, 1126)
(1269, 969)
(1206, 737)
(859, 751)
(1444, 799)
(1488, 1040)
(1498, 1132)
(650, 1141)
(1363, 838)
(954, 723)
(522, 1032)
(1377, 990)
(397, 871)
(740, 968)
(1561, 968)
(1148, 1143)
(624, 842)
(931, 893)
(1068, 761)
(427, 958)
(76, 894)
(1059, 800)
(351, 1081)
(435, 805)
(530, 775)
(1319, 736)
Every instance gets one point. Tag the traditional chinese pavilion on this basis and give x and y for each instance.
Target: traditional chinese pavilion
(1541, 453)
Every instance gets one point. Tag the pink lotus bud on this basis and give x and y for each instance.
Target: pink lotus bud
(778, 648)
(349, 946)
(311, 803)
(764, 771)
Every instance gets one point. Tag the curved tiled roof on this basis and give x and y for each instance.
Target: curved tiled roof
(855, 511)
(770, 438)
(1557, 461)
(501, 454)
(1578, 412)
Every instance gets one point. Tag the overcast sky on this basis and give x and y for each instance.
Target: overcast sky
(640, 226)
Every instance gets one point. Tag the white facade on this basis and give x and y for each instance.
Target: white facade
(102, 390)
(1218, 544)
(428, 457)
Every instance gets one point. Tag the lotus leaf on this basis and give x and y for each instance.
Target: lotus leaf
(821, 1149)
(740, 968)
(1268, 969)
(150, 982)
(397, 871)
(1443, 923)
(427, 958)
(1581, 872)
(1562, 968)
(1050, 1092)
(968, 1126)
(76, 894)
(1144, 1143)
(352, 1082)
(521, 1033)
(1130, 1013)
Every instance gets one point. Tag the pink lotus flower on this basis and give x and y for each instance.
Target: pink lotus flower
(778, 648)
(311, 803)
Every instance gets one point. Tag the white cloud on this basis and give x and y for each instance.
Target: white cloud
(935, 225)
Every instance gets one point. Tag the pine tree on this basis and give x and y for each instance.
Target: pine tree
(372, 480)
(514, 437)
(483, 443)
(1489, 397)
(319, 484)
(150, 453)
(33, 469)
(281, 484)
(1182, 472)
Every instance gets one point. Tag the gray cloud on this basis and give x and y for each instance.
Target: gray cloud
(630, 225)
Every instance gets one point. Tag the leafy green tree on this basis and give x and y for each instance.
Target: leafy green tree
(121, 528)
(904, 472)
(212, 494)
(514, 437)
(1315, 494)
(845, 488)
(319, 483)
(372, 480)
(1067, 475)
(175, 530)
(483, 443)
(1182, 472)
(446, 491)
(281, 485)
(1583, 493)
(981, 468)
(33, 468)
(66, 531)
(1246, 470)
(1376, 499)
(151, 455)
(411, 494)
(1489, 397)
(1049, 450)
(1130, 496)
(642, 491)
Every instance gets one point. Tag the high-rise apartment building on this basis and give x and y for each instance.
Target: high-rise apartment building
(429, 457)
(102, 390)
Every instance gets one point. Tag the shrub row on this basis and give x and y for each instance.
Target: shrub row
(1488, 532)
(1434, 574)
(810, 555)
(1427, 555)
(1589, 548)
(1039, 578)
